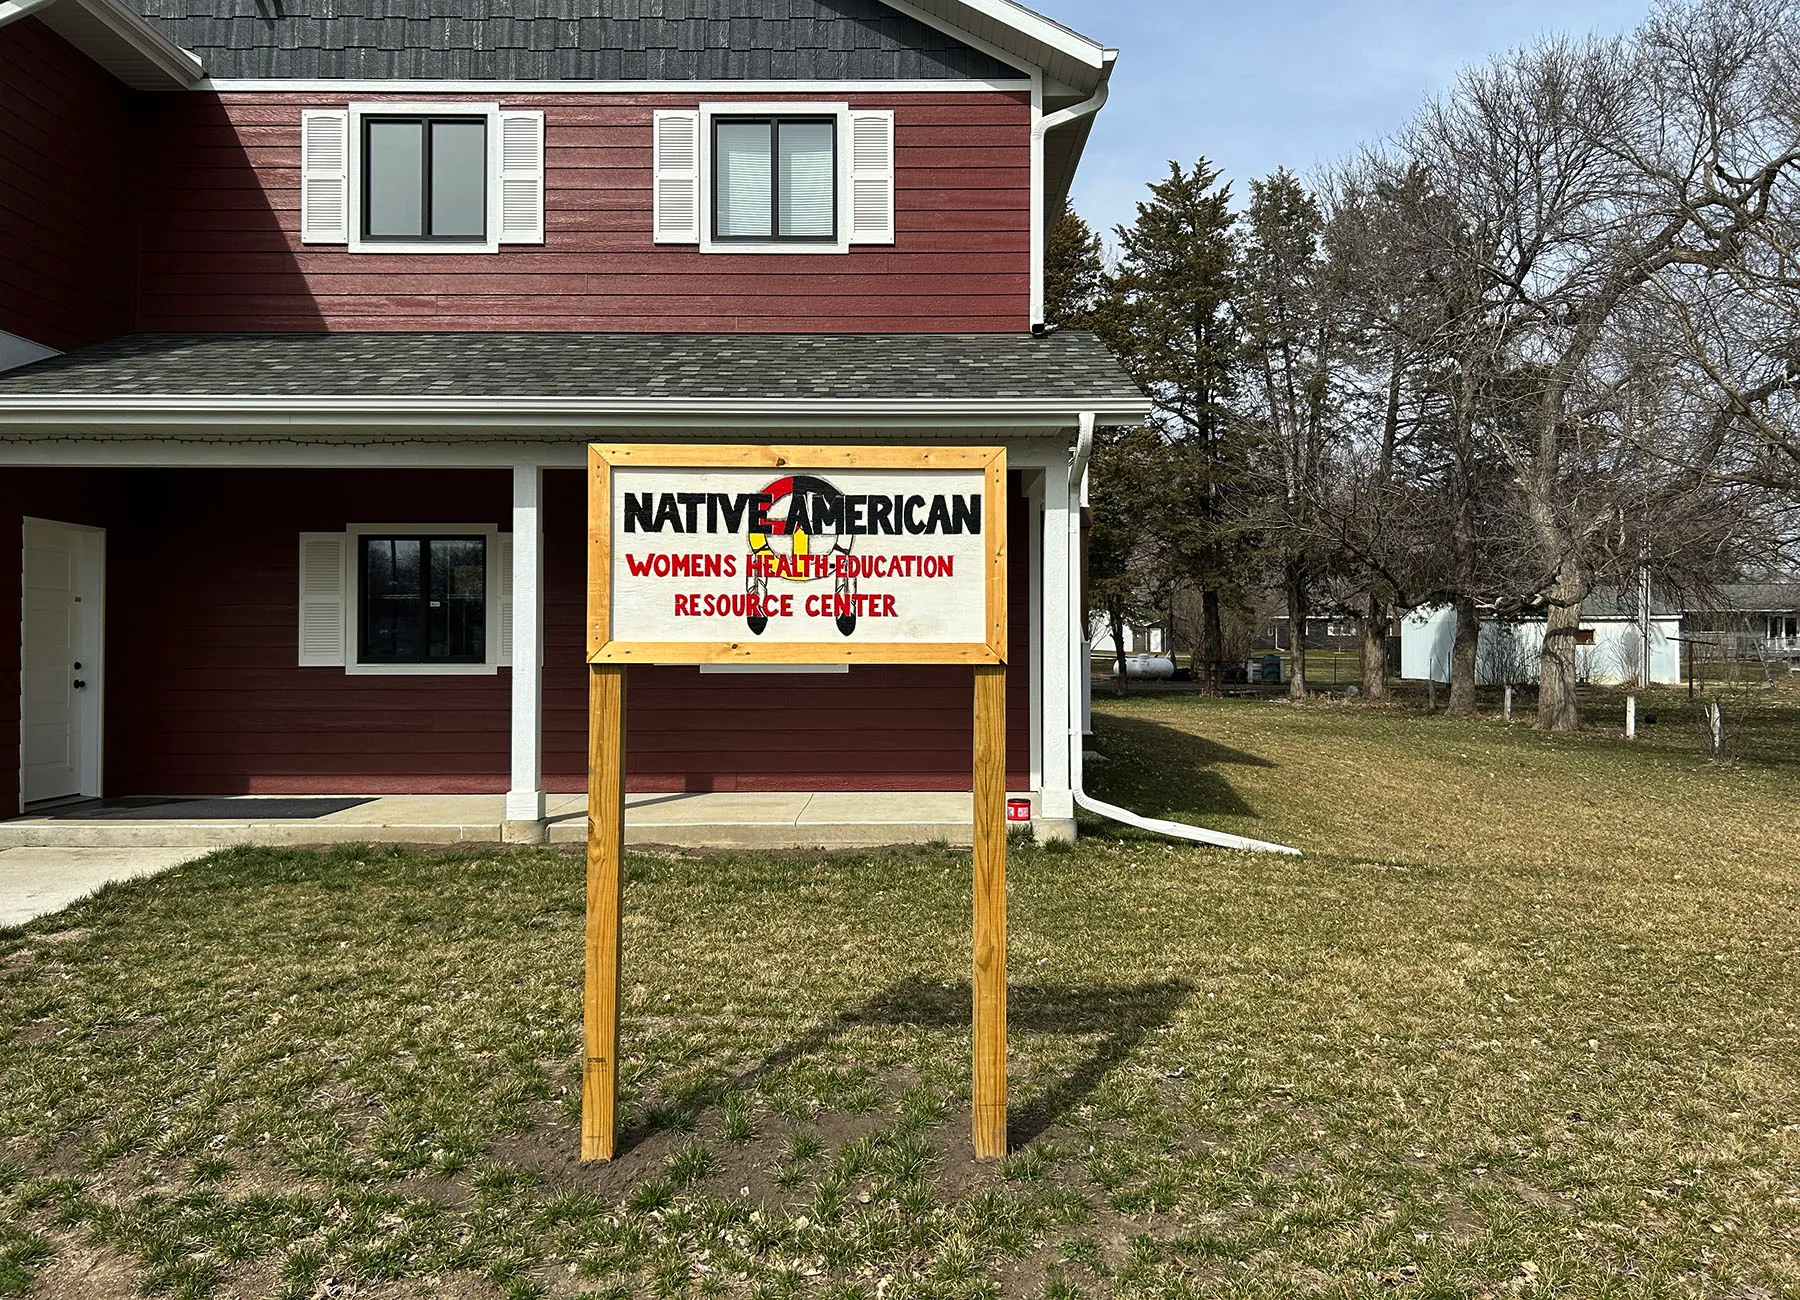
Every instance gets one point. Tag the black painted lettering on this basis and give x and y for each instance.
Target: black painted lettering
(638, 512)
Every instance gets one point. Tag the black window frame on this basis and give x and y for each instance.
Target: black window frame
(774, 121)
(425, 120)
(424, 658)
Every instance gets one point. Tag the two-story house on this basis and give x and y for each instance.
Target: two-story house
(308, 309)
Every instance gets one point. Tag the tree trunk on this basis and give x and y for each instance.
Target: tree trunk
(1374, 649)
(1115, 619)
(1463, 658)
(1296, 604)
(1558, 709)
(1212, 644)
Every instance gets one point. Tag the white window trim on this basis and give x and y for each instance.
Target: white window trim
(776, 108)
(490, 111)
(353, 601)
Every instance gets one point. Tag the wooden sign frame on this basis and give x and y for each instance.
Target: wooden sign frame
(602, 647)
(608, 659)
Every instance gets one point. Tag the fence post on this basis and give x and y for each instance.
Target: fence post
(1631, 717)
(1431, 695)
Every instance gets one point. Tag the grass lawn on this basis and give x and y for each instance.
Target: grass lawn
(1523, 1022)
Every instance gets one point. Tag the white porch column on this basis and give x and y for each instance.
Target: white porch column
(1056, 803)
(525, 798)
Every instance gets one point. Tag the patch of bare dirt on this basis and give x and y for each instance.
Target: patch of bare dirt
(255, 1281)
(1462, 1222)
(1023, 1278)
(87, 1272)
(958, 1171)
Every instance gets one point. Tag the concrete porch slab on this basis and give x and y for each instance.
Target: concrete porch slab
(718, 820)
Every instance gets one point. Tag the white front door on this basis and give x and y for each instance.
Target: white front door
(60, 662)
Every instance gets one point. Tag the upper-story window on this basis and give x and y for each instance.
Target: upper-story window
(456, 177)
(425, 178)
(774, 178)
(790, 177)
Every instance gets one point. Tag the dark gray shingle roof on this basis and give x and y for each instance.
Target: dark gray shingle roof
(1753, 598)
(1069, 364)
(563, 40)
(1622, 602)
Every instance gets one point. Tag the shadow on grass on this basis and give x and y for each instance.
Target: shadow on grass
(1114, 1017)
(1163, 771)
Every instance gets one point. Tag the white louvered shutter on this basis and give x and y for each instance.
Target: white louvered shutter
(503, 561)
(325, 176)
(676, 162)
(324, 606)
(522, 177)
(872, 177)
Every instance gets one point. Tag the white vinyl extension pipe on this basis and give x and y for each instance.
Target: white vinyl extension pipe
(1078, 671)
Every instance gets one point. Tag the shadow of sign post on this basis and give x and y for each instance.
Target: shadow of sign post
(793, 555)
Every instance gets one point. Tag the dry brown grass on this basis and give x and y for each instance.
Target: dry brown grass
(1522, 1023)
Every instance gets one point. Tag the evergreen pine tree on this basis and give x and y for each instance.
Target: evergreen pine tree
(1074, 272)
(1167, 315)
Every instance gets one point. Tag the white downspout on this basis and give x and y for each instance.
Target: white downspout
(1078, 672)
(1041, 127)
(1063, 116)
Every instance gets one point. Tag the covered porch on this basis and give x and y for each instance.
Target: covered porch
(220, 663)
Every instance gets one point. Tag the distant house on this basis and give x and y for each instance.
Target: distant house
(1609, 644)
(1748, 620)
(1337, 631)
(1139, 638)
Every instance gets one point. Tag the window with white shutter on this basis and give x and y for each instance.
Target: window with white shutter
(323, 603)
(325, 176)
(790, 176)
(400, 177)
(522, 177)
(676, 163)
(872, 176)
(406, 599)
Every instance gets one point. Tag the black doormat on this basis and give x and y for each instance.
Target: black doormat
(169, 808)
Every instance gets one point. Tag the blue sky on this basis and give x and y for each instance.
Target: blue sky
(1256, 85)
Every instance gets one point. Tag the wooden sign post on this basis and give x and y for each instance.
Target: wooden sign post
(793, 555)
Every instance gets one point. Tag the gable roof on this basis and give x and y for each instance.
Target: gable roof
(1776, 597)
(1067, 58)
(569, 40)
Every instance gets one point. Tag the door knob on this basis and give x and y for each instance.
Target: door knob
(78, 684)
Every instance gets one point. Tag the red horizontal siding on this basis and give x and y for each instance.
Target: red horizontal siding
(203, 695)
(220, 222)
(67, 146)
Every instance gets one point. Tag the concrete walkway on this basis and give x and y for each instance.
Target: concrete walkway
(36, 882)
(771, 821)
